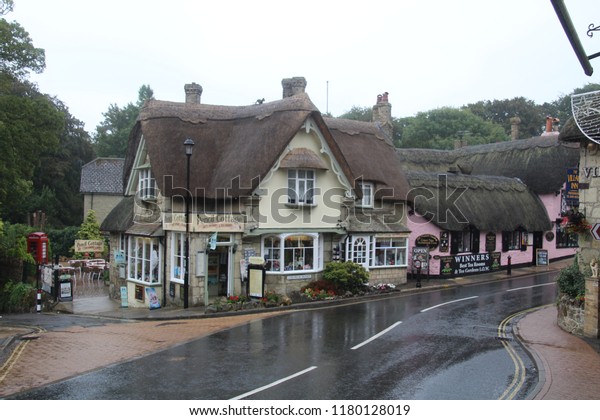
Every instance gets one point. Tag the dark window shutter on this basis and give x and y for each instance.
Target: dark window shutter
(505, 241)
(475, 234)
(454, 242)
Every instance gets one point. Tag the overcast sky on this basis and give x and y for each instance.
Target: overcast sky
(426, 54)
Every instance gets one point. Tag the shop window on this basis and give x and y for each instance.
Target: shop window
(465, 241)
(373, 251)
(514, 241)
(566, 239)
(390, 252)
(301, 186)
(177, 257)
(144, 260)
(292, 252)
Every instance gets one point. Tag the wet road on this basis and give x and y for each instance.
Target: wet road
(446, 344)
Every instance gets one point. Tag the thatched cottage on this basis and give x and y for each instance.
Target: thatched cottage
(494, 203)
(275, 180)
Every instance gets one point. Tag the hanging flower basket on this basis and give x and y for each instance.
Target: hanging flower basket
(575, 222)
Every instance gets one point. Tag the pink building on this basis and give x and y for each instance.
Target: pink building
(477, 207)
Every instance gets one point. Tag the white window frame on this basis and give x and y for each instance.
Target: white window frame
(276, 253)
(368, 196)
(365, 250)
(146, 184)
(177, 257)
(143, 264)
(302, 184)
(387, 247)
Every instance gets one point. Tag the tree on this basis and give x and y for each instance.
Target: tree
(18, 56)
(533, 116)
(440, 128)
(359, 114)
(30, 127)
(112, 134)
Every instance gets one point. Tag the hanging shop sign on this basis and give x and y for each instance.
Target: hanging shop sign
(444, 241)
(572, 187)
(490, 242)
(459, 265)
(427, 240)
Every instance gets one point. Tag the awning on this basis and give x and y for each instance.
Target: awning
(275, 231)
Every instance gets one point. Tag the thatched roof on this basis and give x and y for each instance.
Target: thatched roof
(235, 146)
(371, 156)
(120, 217)
(301, 157)
(540, 162)
(454, 201)
(571, 133)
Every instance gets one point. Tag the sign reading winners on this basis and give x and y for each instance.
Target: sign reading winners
(458, 265)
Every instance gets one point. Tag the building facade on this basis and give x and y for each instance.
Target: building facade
(272, 180)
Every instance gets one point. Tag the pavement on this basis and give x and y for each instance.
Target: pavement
(568, 365)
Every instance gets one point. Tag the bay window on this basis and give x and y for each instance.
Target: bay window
(144, 260)
(292, 252)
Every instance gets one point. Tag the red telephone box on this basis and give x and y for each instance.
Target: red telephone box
(37, 246)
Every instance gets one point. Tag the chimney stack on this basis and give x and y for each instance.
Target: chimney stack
(382, 115)
(515, 122)
(193, 93)
(551, 128)
(293, 86)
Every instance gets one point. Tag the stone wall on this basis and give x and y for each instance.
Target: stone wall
(589, 247)
(570, 315)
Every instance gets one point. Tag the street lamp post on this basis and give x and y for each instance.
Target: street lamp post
(189, 145)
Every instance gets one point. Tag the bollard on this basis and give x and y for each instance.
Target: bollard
(508, 266)
(39, 300)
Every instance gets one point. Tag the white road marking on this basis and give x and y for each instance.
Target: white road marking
(531, 287)
(272, 384)
(448, 303)
(379, 334)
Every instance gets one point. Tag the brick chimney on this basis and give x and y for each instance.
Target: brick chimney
(551, 126)
(515, 122)
(382, 115)
(193, 93)
(293, 86)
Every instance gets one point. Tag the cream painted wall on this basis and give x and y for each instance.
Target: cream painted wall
(330, 193)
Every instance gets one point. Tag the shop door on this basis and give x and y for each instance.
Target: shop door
(538, 243)
(218, 272)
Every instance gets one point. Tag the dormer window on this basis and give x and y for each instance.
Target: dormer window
(146, 185)
(301, 186)
(367, 194)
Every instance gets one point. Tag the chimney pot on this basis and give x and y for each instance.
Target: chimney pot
(193, 93)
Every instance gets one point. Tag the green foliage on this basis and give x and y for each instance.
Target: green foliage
(17, 297)
(571, 281)
(89, 229)
(13, 242)
(439, 128)
(18, 56)
(62, 240)
(347, 276)
(358, 113)
(112, 135)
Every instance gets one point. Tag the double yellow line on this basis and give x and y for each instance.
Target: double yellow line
(520, 372)
(16, 353)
